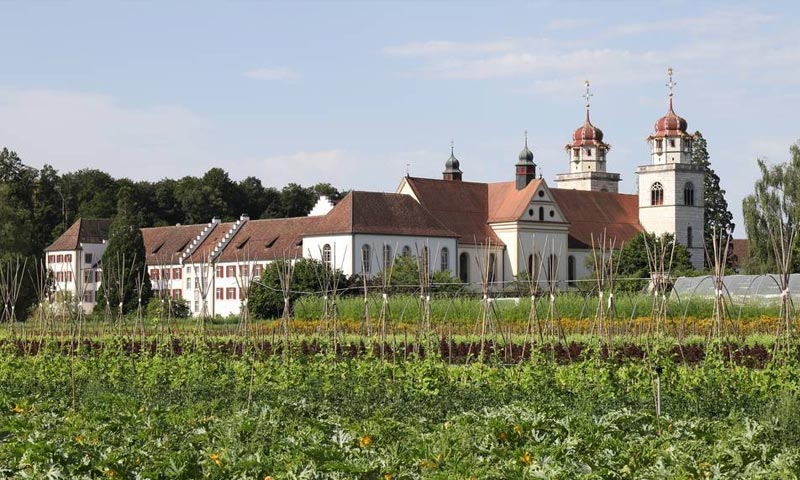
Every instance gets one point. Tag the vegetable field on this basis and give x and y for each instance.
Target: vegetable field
(202, 412)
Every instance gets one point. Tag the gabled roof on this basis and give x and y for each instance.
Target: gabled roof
(591, 213)
(381, 213)
(506, 203)
(269, 239)
(462, 207)
(84, 230)
(206, 247)
(164, 245)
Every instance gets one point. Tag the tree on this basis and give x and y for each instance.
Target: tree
(297, 201)
(773, 206)
(124, 259)
(718, 217)
(634, 264)
(266, 299)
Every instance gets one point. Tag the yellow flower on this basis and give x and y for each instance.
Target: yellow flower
(215, 459)
(518, 429)
(268, 477)
(427, 464)
(18, 409)
(79, 438)
(388, 476)
(110, 473)
(526, 458)
(365, 441)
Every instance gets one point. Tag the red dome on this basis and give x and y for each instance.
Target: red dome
(587, 134)
(671, 124)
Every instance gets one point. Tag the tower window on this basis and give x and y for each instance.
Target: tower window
(688, 194)
(689, 237)
(576, 152)
(657, 194)
(659, 144)
(671, 142)
(588, 152)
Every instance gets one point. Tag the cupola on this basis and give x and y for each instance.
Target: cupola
(451, 167)
(525, 168)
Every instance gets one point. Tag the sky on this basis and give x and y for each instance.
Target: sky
(357, 94)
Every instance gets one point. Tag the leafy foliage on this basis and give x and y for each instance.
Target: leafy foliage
(634, 264)
(716, 212)
(774, 205)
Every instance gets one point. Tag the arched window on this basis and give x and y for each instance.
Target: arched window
(492, 274)
(406, 251)
(657, 194)
(689, 237)
(688, 193)
(537, 262)
(530, 265)
(445, 260)
(424, 261)
(552, 274)
(387, 257)
(541, 214)
(571, 270)
(366, 259)
(326, 255)
(463, 267)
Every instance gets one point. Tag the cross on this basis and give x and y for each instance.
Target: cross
(671, 84)
(588, 94)
(452, 145)
(526, 138)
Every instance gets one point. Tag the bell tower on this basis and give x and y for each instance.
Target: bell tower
(587, 158)
(671, 186)
(451, 167)
(525, 168)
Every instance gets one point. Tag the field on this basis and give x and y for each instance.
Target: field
(318, 399)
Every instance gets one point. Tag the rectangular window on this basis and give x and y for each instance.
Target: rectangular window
(165, 274)
(60, 258)
(96, 276)
(87, 276)
(219, 294)
(196, 282)
(87, 258)
(220, 272)
(51, 259)
(177, 273)
(68, 258)
(188, 283)
(69, 276)
(88, 296)
(177, 293)
(257, 269)
(196, 306)
(230, 271)
(244, 271)
(230, 293)
(154, 274)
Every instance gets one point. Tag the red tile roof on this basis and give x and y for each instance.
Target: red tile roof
(269, 239)
(462, 207)
(382, 213)
(506, 203)
(592, 213)
(206, 247)
(164, 245)
(84, 230)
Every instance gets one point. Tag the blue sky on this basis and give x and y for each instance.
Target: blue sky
(353, 93)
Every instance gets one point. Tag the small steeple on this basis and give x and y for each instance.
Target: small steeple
(451, 167)
(525, 168)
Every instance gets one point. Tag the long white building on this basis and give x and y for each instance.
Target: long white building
(475, 231)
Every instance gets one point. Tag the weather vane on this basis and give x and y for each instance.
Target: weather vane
(588, 94)
(452, 146)
(671, 84)
(526, 138)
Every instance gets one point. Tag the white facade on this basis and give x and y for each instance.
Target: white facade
(76, 275)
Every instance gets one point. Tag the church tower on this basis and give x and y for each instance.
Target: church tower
(525, 168)
(451, 167)
(671, 186)
(587, 159)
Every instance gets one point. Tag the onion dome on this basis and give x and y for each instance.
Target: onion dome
(525, 156)
(671, 124)
(451, 167)
(587, 134)
(452, 163)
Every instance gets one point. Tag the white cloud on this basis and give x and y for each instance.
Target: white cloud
(73, 130)
(437, 47)
(278, 73)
